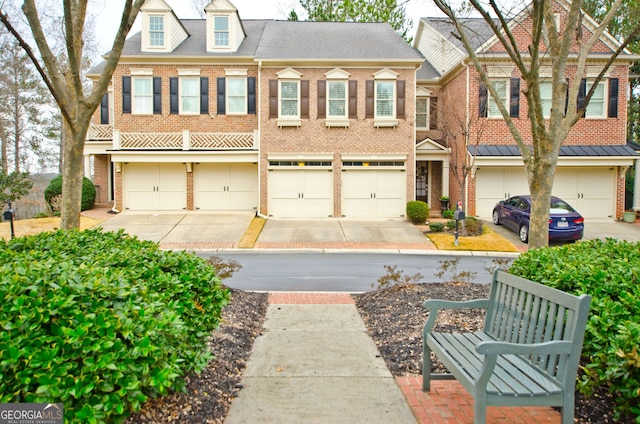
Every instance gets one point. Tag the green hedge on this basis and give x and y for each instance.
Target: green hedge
(55, 189)
(610, 272)
(101, 321)
(417, 211)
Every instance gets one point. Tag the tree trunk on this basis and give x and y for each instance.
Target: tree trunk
(73, 174)
(541, 186)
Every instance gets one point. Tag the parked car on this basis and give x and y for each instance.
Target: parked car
(565, 224)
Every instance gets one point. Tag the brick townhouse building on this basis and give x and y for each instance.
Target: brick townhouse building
(323, 119)
(595, 156)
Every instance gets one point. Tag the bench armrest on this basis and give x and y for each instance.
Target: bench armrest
(434, 305)
(557, 347)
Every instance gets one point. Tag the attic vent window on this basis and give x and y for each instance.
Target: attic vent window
(156, 31)
(221, 31)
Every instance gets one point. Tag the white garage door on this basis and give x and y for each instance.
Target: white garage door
(295, 193)
(373, 193)
(589, 190)
(220, 186)
(155, 186)
(495, 184)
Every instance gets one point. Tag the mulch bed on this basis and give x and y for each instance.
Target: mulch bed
(394, 318)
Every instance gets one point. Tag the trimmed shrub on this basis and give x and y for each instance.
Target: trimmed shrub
(436, 227)
(448, 213)
(472, 226)
(451, 224)
(54, 189)
(417, 211)
(610, 272)
(101, 321)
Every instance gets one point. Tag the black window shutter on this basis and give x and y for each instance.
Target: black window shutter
(157, 95)
(514, 98)
(400, 99)
(104, 109)
(433, 113)
(566, 98)
(369, 99)
(220, 95)
(613, 97)
(204, 95)
(482, 100)
(353, 99)
(582, 93)
(304, 99)
(126, 94)
(251, 95)
(273, 98)
(173, 95)
(322, 99)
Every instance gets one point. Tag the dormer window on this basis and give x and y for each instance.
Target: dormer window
(156, 31)
(221, 31)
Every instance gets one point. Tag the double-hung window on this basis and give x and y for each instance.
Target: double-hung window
(221, 31)
(337, 99)
(502, 89)
(142, 95)
(156, 31)
(189, 95)
(289, 99)
(236, 96)
(596, 107)
(422, 113)
(546, 97)
(385, 99)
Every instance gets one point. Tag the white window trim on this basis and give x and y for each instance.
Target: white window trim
(228, 95)
(181, 111)
(345, 116)
(288, 120)
(215, 46)
(385, 121)
(546, 114)
(605, 97)
(505, 101)
(428, 112)
(134, 95)
(164, 32)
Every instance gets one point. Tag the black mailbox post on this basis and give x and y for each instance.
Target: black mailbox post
(8, 216)
(459, 216)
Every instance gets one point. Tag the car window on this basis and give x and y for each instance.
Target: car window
(513, 202)
(560, 207)
(523, 206)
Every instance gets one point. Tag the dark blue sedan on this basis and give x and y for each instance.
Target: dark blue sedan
(565, 224)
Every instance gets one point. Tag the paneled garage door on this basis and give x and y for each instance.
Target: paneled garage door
(591, 191)
(495, 184)
(155, 186)
(378, 193)
(300, 193)
(221, 186)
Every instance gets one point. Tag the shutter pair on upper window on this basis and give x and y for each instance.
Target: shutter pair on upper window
(612, 110)
(352, 100)
(514, 99)
(127, 95)
(370, 99)
(174, 95)
(304, 99)
(221, 100)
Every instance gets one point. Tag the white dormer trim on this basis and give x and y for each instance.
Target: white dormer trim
(386, 73)
(188, 72)
(173, 32)
(289, 73)
(338, 74)
(236, 34)
(423, 92)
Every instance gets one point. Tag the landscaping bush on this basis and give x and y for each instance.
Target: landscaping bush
(610, 272)
(472, 226)
(448, 213)
(417, 211)
(101, 321)
(451, 224)
(54, 189)
(436, 227)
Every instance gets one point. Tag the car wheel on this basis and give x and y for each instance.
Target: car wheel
(524, 233)
(496, 217)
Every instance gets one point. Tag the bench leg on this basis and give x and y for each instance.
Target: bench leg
(479, 410)
(568, 407)
(426, 366)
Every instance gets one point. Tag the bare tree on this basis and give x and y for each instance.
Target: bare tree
(67, 87)
(548, 44)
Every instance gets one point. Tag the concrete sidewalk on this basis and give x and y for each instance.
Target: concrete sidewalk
(315, 363)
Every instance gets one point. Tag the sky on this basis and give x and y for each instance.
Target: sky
(109, 12)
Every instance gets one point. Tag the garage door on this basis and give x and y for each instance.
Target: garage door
(495, 184)
(373, 193)
(220, 186)
(589, 190)
(297, 193)
(155, 186)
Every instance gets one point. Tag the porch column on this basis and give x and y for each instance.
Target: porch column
(87, 166)
(636, 188)
(445, 177)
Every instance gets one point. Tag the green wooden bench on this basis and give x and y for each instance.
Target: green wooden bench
(527, 354)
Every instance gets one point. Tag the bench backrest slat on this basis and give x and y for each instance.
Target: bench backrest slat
(521, 311)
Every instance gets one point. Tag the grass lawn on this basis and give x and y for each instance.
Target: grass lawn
(29, 227)
(488, 241)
